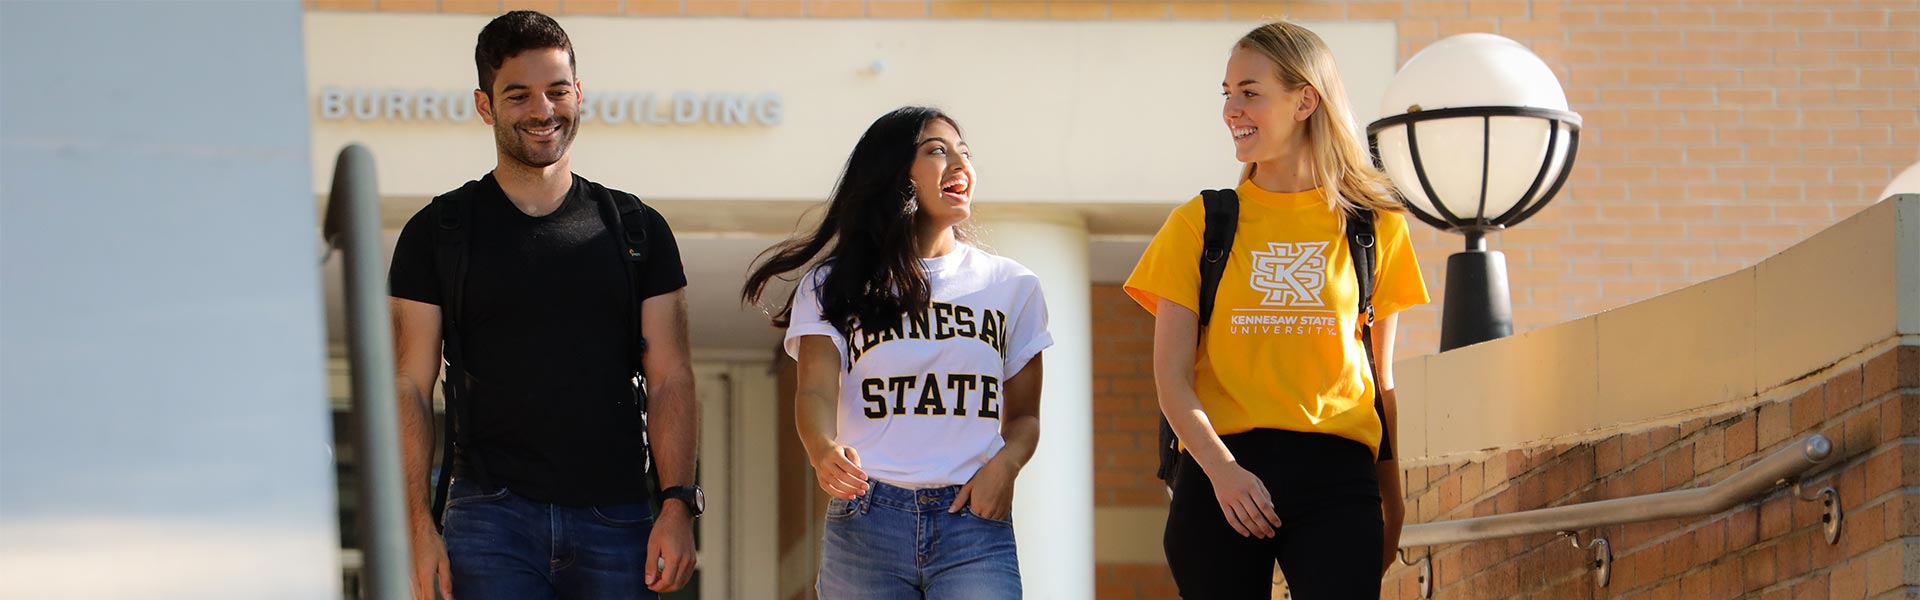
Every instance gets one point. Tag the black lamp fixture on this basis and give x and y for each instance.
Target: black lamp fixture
(1477, 139)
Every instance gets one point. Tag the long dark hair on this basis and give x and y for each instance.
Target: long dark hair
(876, 276)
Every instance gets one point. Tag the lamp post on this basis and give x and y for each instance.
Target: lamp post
(1477, 139)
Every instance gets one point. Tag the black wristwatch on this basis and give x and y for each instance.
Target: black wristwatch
(690, 495)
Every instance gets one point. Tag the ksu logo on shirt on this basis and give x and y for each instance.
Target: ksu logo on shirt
(1290, 274)
(1290, 277)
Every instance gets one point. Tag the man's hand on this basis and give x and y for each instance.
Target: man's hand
(989, 493)
(430, 563)
(670, 551)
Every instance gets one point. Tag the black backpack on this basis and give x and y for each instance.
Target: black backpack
(622, 212)
(1222, 222)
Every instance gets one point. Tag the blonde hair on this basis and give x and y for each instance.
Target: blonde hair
(1341, 164)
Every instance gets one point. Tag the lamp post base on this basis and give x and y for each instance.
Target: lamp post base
(1477, 307)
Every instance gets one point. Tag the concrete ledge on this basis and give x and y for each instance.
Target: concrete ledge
(1723, 343)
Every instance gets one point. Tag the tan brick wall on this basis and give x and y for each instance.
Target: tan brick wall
(1769, 548)
(1126, 411)
(1126, 414)
(1717, 133)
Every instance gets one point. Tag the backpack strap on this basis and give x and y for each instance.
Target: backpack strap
(625, 214)
(453, 218)
(1222, 224)
(1361, 243)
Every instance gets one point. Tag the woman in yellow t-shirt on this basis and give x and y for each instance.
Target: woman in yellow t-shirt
(1275, 403)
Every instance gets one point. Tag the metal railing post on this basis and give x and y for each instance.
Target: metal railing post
(353, 224)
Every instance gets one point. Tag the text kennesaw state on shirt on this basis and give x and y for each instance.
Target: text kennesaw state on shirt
(1284, 320)
(935, 394)
(1283, 325)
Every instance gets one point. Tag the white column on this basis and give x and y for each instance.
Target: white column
(1053, 499)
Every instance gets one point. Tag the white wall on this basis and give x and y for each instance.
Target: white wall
(163, 420)
(1055, 112)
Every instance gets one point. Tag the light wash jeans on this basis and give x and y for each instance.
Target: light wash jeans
(900, 544)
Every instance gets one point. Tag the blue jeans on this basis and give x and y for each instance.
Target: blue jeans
(896, 544)
(503, 546)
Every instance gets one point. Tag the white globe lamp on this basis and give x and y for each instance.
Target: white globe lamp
(1907, 182)
(1477, 139)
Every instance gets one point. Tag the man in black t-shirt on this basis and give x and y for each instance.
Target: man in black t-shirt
(550, 496)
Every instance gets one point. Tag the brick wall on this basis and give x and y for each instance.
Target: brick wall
(1770, 548)
(1126, 414)
(1717, 133)
(1126, 411)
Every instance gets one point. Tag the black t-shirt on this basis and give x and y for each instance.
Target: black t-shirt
(546, 340)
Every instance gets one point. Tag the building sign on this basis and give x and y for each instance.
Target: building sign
(679, 108)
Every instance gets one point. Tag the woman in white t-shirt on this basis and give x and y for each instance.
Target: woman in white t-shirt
(919, 371)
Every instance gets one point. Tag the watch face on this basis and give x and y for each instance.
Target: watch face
(699, 500)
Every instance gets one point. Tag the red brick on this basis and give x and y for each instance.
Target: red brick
(1449, 495)
(1661, 437)
(1843, 391)
(1759, 568)
(1710, 451)
(1021, 10)
(1809, 409)
(1885, 471)
(1679, 467)
(1888, 77)
(1812, 588)
(1688, 427)
(1892, 370)
(1437, 8)
(470, 6)
(1375, 10)
(1139, 10)
(551, 7)
(1077, 10)
(1900, 417)
(1726, 579)
(1904, 512)
(714, 8)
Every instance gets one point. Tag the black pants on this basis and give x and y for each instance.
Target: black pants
(1328, 544)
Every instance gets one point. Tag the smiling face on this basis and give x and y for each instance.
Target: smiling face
(1265, 116)
(942, 175)
(533, 108)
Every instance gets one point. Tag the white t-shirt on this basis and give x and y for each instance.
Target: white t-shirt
(921, 403)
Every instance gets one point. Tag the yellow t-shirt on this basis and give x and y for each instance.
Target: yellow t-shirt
(1283, 348)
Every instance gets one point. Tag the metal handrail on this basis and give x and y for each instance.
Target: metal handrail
(1783, 466)
(353, 225)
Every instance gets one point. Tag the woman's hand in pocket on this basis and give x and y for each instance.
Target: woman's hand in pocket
(989, 493)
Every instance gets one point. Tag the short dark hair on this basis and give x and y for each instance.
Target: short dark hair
(510, 34)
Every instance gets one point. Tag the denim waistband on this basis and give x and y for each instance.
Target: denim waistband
(899, 498)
